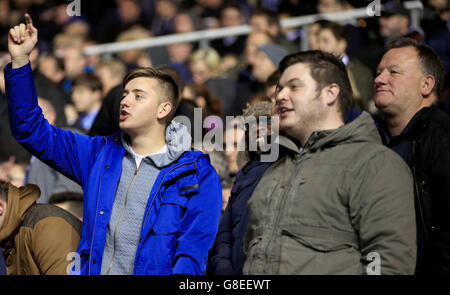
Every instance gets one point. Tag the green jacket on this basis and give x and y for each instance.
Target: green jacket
(327, 208)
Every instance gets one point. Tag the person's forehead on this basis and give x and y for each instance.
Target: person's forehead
(298, 71)
(258, 18)
(402, 57)
(325, 32)
(142, 83)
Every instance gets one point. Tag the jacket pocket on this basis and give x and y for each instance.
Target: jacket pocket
(172, 209)
(314, 250)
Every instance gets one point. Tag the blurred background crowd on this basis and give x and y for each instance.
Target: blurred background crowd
(82, 92)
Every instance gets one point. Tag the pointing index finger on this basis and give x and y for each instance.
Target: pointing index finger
(29, 22)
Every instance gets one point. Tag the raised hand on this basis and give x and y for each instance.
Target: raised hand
(21, 41)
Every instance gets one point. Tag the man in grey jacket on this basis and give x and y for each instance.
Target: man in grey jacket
(338, 203)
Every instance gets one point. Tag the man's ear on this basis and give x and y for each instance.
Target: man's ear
(164, 109)
(427, 85)
(330, 93)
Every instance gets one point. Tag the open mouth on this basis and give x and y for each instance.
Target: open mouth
(123, 115)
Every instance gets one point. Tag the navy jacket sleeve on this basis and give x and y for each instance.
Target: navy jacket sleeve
(67, 152)
(2, 264)
(220, 262)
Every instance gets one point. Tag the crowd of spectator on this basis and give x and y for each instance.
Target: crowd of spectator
(82, 92)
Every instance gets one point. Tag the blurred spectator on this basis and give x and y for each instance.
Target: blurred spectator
(35, 238)
(246, 83)
(70, 201)
(355, 33)
(233, 141)
(6, 21)
(254, 40)
(202, 98)
(220, 163)
(10, 150)
(163, 20)
(92, 59)
(313, 32)
(266, 61)
(77, 26)
(87, 99)
(204, 66)
(134, 58)
(185, 22)
(52, 68)
(333, 39)
(394, 21)
(46, 178)
(264, 20)
(110, 73)
(227, 256)
(271, 85)
(179, 55)
(209, 11)
(231, 15)
(48, 89)
(125, 16)
(294, 35)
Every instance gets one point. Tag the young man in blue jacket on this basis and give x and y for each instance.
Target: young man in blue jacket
(151, 206)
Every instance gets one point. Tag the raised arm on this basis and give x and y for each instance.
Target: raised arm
(67, 152)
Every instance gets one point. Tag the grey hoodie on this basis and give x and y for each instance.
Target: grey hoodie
(131, 198)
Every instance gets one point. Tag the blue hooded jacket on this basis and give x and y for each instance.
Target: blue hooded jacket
(183, 210)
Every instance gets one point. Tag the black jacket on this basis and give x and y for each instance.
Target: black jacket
(107, 120)
(227, 255)
(430, 164)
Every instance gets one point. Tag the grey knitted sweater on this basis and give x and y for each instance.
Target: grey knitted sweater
(132, 194)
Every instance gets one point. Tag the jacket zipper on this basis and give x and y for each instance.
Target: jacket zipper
(120, 220)
(95, 218)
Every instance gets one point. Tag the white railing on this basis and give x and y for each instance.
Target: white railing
(203, 36)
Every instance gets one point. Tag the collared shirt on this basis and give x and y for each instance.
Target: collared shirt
(88, 119)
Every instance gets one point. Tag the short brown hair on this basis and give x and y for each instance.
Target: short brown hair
(325, 69)
(430, 62)
(168, 87)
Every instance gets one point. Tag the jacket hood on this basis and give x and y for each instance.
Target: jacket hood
(19, 200)
(178, 140)
(362, 129)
